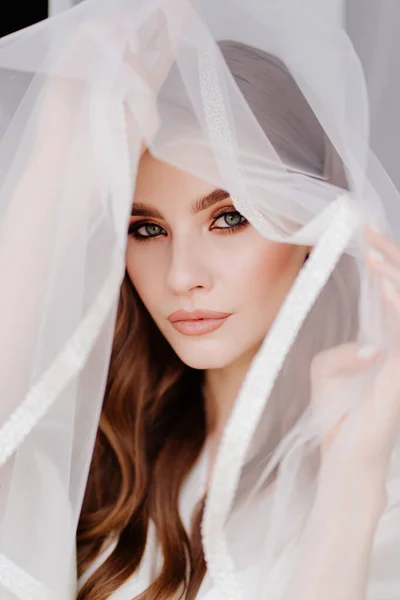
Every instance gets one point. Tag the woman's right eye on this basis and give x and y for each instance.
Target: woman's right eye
(145, 231)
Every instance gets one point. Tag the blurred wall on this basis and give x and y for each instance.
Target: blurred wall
(374, 28)
(57, 6)
(334, 9)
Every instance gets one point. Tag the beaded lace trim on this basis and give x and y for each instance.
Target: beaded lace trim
(18, 582)
(221, 137)
(71, 360)
(260, 380)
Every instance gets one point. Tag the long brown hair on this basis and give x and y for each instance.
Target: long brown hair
(153, 425)
(152, 429)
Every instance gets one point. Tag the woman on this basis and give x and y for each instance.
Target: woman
(185, 337)
(247, 426)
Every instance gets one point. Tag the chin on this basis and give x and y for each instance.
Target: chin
(205, 358)
(205, 363)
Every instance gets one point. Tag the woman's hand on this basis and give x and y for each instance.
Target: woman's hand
(363, 439)
(335, 553)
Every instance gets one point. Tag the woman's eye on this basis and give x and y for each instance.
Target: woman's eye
(145, 230)
(229, 219)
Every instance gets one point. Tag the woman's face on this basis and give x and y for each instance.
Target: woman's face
(210, 281)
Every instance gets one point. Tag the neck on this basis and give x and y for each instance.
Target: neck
(221, 387)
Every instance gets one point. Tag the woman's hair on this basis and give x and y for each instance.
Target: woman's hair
(153, 426)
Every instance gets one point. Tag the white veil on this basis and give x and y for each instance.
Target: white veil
(79, 93)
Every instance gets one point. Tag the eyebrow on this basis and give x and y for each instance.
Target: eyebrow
(140, 209)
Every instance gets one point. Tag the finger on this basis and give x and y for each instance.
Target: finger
(342, 360)
(331, 435)
(386, 405)
(382, 244)
(392, 297)
(384, 268)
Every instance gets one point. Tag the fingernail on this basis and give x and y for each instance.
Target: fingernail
(367, 352)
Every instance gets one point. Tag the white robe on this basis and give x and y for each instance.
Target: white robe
(245, 537)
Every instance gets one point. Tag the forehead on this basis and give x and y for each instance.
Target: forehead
(162, 185)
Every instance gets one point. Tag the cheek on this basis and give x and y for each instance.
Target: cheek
(278, 263)
(142, 271)
(267, 270)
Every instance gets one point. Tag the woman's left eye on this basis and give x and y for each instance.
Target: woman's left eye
(229, 220)
(145, 231)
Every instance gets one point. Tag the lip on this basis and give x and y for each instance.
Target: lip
(197, 322)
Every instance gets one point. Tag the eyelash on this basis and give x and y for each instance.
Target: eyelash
(134, 227)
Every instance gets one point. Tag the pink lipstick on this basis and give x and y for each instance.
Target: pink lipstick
(197, 322)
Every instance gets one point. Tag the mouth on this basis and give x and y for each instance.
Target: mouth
(197, 322)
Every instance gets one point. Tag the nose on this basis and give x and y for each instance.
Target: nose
(189, 268)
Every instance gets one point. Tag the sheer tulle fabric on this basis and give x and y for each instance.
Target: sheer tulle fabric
(79, 93)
